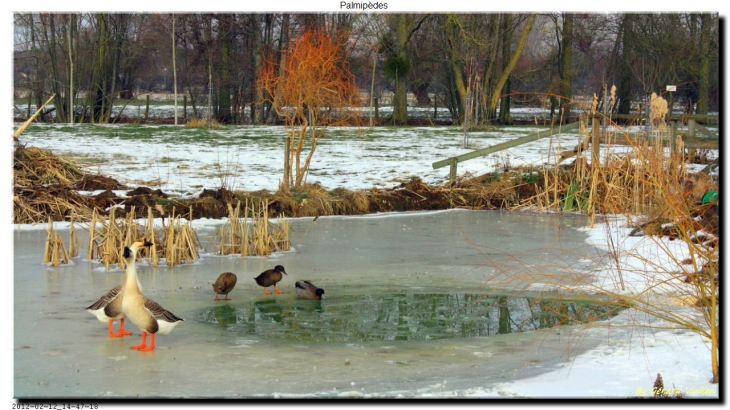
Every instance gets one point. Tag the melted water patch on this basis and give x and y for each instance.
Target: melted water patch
(399, 316)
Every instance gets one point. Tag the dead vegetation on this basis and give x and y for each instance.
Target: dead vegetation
(259, 237)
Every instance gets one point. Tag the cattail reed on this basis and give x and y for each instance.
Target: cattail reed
(260, 237)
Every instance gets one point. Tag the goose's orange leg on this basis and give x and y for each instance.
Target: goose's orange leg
(121, 331)
(142, 345)
(278, 292)
(266, 291)
(216, 297)
(152, 344)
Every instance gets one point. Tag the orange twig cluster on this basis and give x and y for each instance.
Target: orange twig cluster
(311, 87)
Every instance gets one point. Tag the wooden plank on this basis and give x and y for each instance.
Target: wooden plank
(702, 129)
(22, 128)
(505, 145)
(689, 142)
(682, 117)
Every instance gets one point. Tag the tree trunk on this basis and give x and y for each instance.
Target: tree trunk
(257, 106)
(566, 92)
(512, 63)
(283, 44)
(489, 69)
(69, 38)
(703, 83)
(622, 53)
(504, 102)
(400, 98)
(49, 33)
(224, 89)
(174, 68)
(455, 65)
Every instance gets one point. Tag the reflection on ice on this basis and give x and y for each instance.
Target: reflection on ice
(399, 316)
(406, 306)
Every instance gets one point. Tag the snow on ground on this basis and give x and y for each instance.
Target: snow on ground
(181, 162)
(624, 366)
(635, 350)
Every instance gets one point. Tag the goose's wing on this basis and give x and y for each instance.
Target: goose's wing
(159, 312)
(106, 299)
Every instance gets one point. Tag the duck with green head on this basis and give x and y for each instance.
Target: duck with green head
(307, 290)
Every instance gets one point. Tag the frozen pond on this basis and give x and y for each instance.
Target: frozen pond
(414, 307)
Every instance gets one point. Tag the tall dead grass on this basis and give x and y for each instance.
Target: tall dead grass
(649, 187)
(175, 243)
(257, 237)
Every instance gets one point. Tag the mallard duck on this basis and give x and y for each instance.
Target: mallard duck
(224, 285)
(270, 278)
(147, 314)
(307, 290)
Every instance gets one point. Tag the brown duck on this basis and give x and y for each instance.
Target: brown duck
(270, 278)
(307, 290)
(224, 285)
(147, 314)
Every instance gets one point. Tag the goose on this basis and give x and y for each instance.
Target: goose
(270, 278)
(307, 290)
(224, 285)
(147, 314)
(109, 308)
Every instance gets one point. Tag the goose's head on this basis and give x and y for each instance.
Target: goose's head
(131, 250)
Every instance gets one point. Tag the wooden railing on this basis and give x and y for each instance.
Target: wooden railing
(690, 141)
(451, 162)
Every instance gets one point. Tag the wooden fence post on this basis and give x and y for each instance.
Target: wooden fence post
(595, 141)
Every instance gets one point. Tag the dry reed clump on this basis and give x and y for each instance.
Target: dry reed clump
(56, 252)
(35, 166)
(313, 200)
(34, 205)
(202, 123)
(177, 243)
(346, 202)
(40, 187)
(260, 237)
(108, 236)
(507, 190)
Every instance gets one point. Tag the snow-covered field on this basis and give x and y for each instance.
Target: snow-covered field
(181, 162)
(624, 366)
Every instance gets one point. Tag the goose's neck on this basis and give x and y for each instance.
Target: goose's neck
(131, 283)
